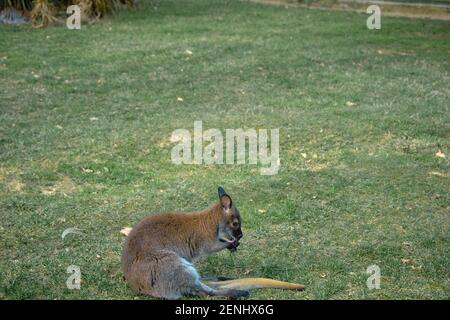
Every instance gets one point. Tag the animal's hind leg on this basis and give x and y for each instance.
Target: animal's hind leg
(169, 276)
(204, 290)
(163, 274)
(218, 278)
(193, 285)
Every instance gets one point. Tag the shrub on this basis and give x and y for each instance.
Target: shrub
(45, 12)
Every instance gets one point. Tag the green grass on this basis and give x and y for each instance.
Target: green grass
(369, 191)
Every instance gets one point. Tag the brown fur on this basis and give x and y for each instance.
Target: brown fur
(159, 250)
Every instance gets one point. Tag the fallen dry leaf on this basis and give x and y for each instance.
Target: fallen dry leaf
(262, 210)
(323, 275)
(405, 260)
(180, 99)
(439, 174)
(49, 191)
(125, 231)
(93, 118)
(350, 104)
(440, 154)
(189, 52)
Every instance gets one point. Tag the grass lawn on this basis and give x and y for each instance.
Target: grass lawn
(86, 119)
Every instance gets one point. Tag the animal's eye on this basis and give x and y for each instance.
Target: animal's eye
(235, 224)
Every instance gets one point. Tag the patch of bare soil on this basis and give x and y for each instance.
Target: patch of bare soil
(410, 10)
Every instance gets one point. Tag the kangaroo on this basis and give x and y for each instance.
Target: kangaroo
(158, 253)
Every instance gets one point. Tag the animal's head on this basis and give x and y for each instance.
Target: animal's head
(230, 223)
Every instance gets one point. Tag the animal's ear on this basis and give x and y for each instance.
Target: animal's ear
(225, 199)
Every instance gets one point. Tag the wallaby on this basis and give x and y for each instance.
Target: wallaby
(158, 252)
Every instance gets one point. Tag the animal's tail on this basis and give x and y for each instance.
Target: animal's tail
(254, 283)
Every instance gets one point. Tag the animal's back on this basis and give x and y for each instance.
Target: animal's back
(149, 235)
